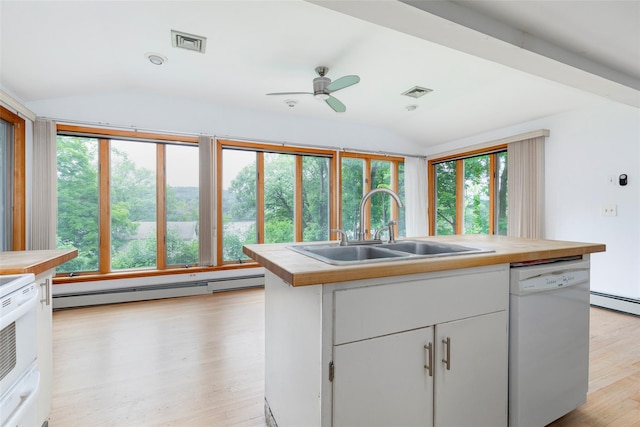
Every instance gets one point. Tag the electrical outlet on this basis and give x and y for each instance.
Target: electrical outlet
(609, 210)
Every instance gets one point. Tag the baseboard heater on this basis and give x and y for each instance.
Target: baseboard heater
(617, 303)
(159, 291)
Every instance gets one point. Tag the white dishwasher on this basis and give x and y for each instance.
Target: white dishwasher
(548, 340)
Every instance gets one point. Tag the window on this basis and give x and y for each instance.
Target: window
(361, 173)
(78, 202)
(126, 200)
(316, 183)
(352, 189)
(239, 202)
(133, 202)
(12, 181)
(500, 206)
(445, 197)
(129, 201)
(468, 193)
(271, 194)
(182, 210)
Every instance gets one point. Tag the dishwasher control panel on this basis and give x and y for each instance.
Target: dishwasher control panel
(542, 278)
(555, 280)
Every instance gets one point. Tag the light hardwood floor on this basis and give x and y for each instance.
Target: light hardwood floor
(199, 361)
(192, 361)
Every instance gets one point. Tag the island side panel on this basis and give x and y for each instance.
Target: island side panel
(293, 352)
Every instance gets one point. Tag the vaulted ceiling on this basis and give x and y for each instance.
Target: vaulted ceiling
(490, 64)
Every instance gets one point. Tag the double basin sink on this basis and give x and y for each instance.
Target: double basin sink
(382, 252)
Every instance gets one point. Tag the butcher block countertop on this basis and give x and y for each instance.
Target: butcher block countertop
(300, 270)
(36, 262)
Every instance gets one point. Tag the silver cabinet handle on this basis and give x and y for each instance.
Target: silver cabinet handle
(428, 364)
(47, 291)
(447, 358)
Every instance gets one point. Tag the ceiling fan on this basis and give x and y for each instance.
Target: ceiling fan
(323, 87)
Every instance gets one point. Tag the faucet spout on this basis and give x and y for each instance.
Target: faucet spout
(363, 202)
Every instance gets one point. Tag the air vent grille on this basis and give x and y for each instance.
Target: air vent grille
(8, 350)
(417, 92)
(188, 41)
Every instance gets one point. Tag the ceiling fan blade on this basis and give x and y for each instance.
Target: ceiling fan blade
(337, 106)
(343, 82)
(290, 93)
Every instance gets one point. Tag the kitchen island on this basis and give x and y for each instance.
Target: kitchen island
(42, 264)
(404, 342)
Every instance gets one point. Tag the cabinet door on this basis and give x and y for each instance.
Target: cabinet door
(383, 381)
(471, 379)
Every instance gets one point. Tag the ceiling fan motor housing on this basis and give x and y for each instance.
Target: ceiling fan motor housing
(320, 87)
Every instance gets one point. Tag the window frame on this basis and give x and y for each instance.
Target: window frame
(366, 184)
(104, 137)
(492, 152)
(19, 178)
(260, 148)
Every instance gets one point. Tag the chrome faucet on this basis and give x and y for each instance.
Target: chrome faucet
(344, 239)
(361, 234)
(389, 228)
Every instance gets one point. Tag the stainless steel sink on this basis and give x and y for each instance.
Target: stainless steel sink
(344, 255)
(381, 252)
(431, 248)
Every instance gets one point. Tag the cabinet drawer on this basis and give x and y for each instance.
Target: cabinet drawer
(371, 311)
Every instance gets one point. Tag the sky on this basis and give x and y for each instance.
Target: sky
(182, 161)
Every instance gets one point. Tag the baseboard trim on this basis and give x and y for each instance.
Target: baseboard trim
(613, 302)
(159, 291)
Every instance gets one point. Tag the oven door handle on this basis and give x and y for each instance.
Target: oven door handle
(14, 315)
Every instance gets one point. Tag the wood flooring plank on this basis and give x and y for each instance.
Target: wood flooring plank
(192, 361)
(199, 362)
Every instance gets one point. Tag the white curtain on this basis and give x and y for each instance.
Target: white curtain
(206, 227)
(44, 200)
(416, 192)
(525, 166)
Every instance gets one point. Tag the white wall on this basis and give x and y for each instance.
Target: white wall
(164, 113)
(584, 149)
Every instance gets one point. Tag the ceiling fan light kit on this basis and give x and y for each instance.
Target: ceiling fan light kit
(323, 87)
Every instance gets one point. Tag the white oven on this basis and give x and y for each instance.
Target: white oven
(19, 377)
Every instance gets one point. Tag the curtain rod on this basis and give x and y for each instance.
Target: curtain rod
(236, 138)
(107, 125)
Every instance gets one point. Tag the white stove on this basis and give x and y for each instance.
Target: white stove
(19, 376)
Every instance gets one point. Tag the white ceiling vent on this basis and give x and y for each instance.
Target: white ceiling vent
(188, 41)
(417, 92)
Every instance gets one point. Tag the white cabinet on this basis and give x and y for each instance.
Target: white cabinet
(44, 321)
(383, 381)
(354, 353)
(452, 374)
(471, 374)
